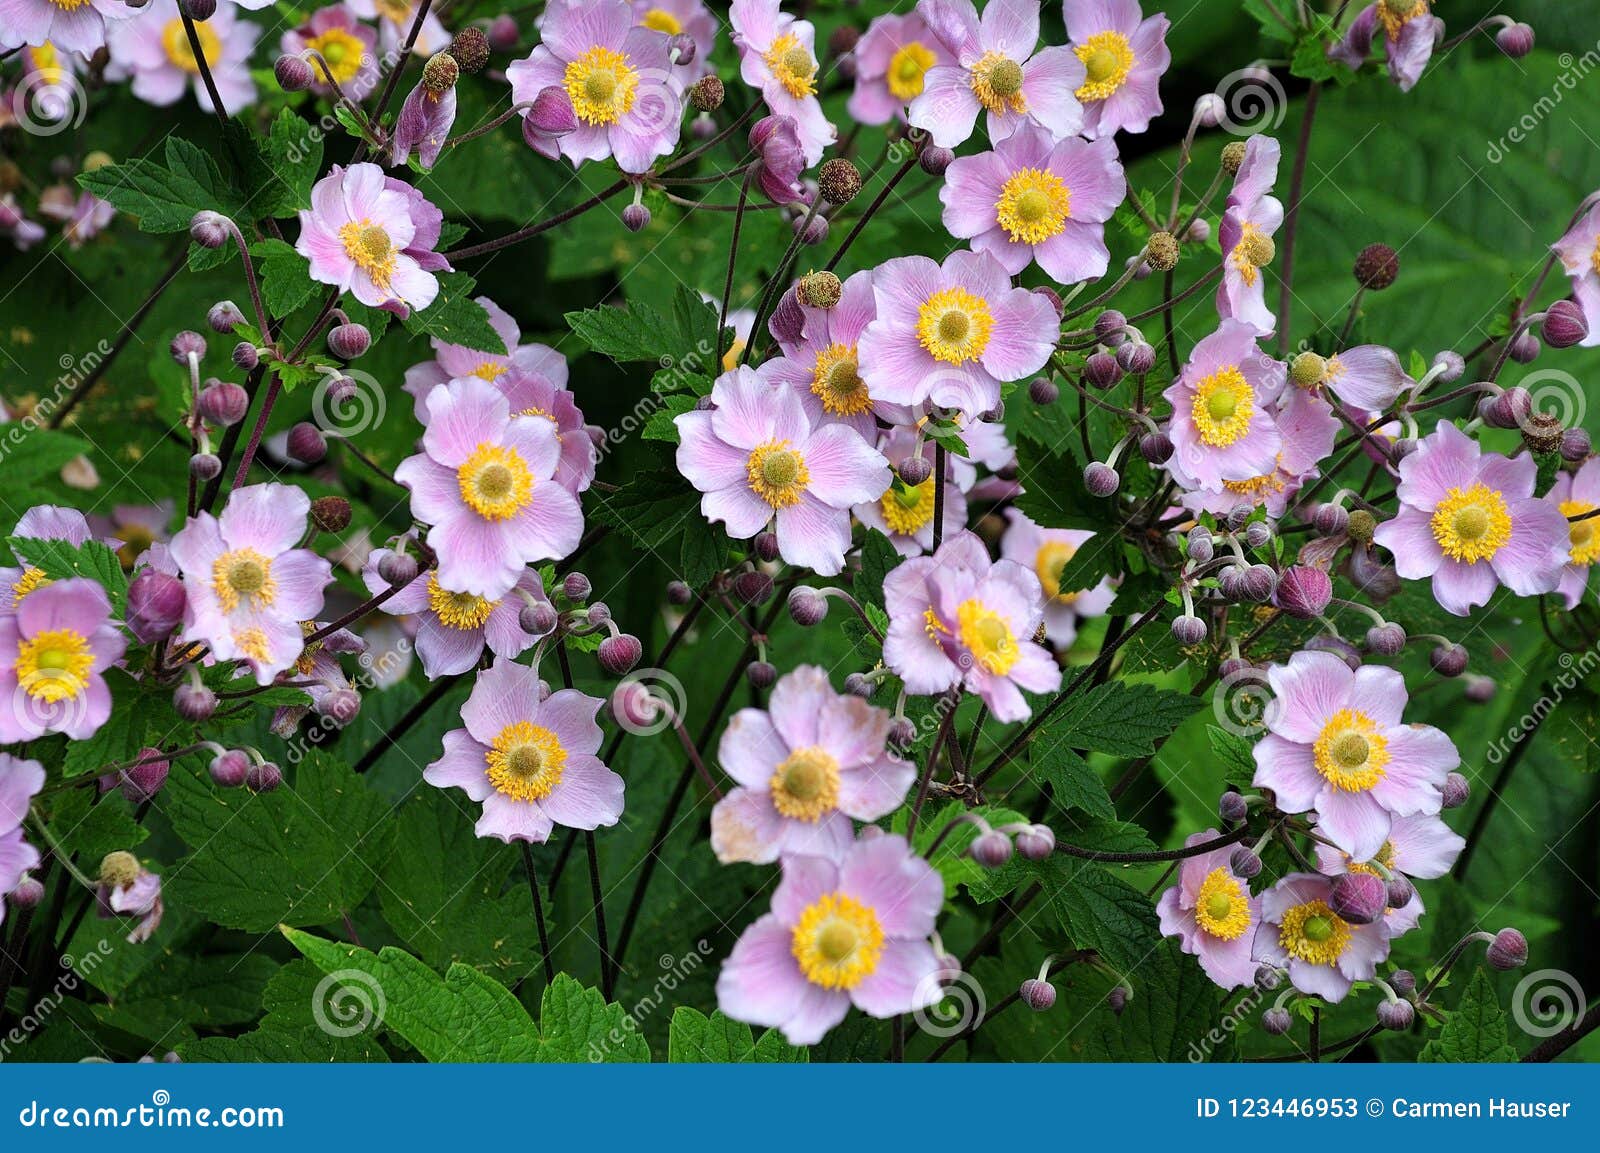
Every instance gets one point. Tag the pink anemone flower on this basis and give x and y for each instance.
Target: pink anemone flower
(54, 651)
(778, 58)
(1047, 551)
(1252, 216)
(1124, 55)
(1323, 953)
(1213, 914)
(892, 60)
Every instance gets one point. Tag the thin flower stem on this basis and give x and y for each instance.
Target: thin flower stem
(274, 387)
(393, 82)
(938, 494)
(733, 256)
(1169, 304)
(485, 129)
(538, 912)
(877, 203)
(533, 230)
(396, 732)
(1292, 217)
(951, 701)
(690, 157)
(609, 967)
(780, 277)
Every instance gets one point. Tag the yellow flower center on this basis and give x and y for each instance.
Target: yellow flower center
(1472, 524)
(837, 382)
(1107, 58)
(730, 359)
(838, 942)
(69, 5)
(1221, 908)
(1034, 205)
(660, 20)
(777, 473)
(1585, 545)
(489, 371)
(457, 610)
(908, 69)
(1396, 14)
(1314, 933)
(54, 665)
(175, 42)
(906, 508)
(1048, 562)
(525, 761)
(997, 83)
(1254, 252)
(792, 65)
(1223, 406)
(243, 576)
(805, 786)
(495, 482)
(988, 637)
(954, 325)
(1350, 753)
(369, 246)
(1257, 488)
(46, 63)
(252, 644)
(343, 50)
(602, 85)
(30, 580)
(1594, 257)
(1384, 857)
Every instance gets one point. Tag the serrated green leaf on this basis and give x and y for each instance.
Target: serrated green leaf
(30, 456)
(1126, 719)
(1476, 1029)
(62, 560)
(576, 1024)
(718, 1040)
(164, 196)
(455, 317)
(286, 282)
(293, 151)
(1072, 780)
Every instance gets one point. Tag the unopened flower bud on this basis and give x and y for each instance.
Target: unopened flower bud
(1188, 630)
(679, 593)
(208, 230)
(1508, 950)
(902, 735)
(760, 674)
(915, 469)
(1508, 409)
(1109, 327)
(683, 49)
(1037, 995)
(1330, 519)
(1101, 370)
(27, 895)
(223, 317)
(1267, 978)
(1209, 110)
(1457, 789)
(1199, 231)
(1515, 40)
(1377, 267)
(1036, 842)
(1479, 690)
(230, 768)
(1454, 365)
(1564, 325)
(858, 685)
(767, 547)
(991, 849)
(636, 218)
(1231, 807)
(1387, 639)
(935, 160)
(1136, 357)
(397, 568)
(155, 605)
(1101, 479)
(1396, 1015)
(1400, 890)
(1258, 534)
(198, 10)
(1369, 574)
(1202, 546)
(263, 778)
(349, 341)
(753, 587)
(1304, 591)
(1043, 391)
(617, 655)
(1525, 348)
(205, 466)
(1448, 660)
(1156, 447)
(1575, 446)
(503, 32)
(1357, 897)
(552, 114)
(194, 702)
(1117, 999)
(577, 587)
(1259, 583)
(245, 356)
(538, 619)
(807, 606)
(223, 403)
(306, 443)
(1275, 1022)
(1052, 296)
(1403, 981)
(293, 74)
(187, 344)
(1245, 864)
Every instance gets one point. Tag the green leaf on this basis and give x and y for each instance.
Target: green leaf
(1126, 719)
(660, 511)
(716, 1039)
(878, 559)
(681, 344)
(463, 1016)
(661, 424)
(164, 197)
(293, 150)
(1476, 1030)
(30, 456)
(141, 714)
(455, 317)
(1073, 781)
(1234, 753)
(88, 828)
(301, 855)
(1099, 911)
(1055, 496)
(286, 282)
(576, 1024)
(62, 560)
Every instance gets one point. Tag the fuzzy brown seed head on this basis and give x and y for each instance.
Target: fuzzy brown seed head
(818, 290)
(1161, 251)
(706, 94)
(440, 73)
(839, 181)
(471, 49)
(1362, 523)
(330, 513)
(1377, 267)
(1542, 433)
(1233, 157)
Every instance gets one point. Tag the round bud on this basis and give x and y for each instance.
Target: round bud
(636, 218)
(706, 94)
(1479, 690)
(1564, 325)
(760, 674)
(1043, 391)
(1199, 232)
(440, 73)
(991, 849)
(1454, 365)
(119, 869)
(1396, 1015)
(577, 587)
(470, 49)
(1209, 110)
(1267, 978)
(811, 231)
(1141, 267)
(397, 568)
(752, 587)
(223, 317)
(1188, 630)
(679, 593)
(1259, 583)
(205, 466)
(1202, 546)
(1508, 409)
(1575, 446)
(293, 74)
(1457, 789)
(1308, 369)
(935, 160)
(1378, 580)
(306, 443)
(1403, 981)
(1156, 447)
(27, 895)
(858, 685)
(1136, 357)
(142, 780)
(1400, 890)
(617, 655)
(843, 40)
(330, 514)
(187, 344)
(263, 778)
(538, 619)
(1161, 251)
(1357, 897)
(1275, 1022)
(1109, 326)
(198, 10)
(223, 403)
(1525, 348)
(1233, 157)
(1377, 267)
(1515, 40)
(1036, 842)
(1387, 639)
(194, 702)
(807, 606)
(1304, 591)
(838, 180)
(1052, 296)
(1448, 660)
(208, 231)
(245, 356)
(902, 735)
(1258, 534)
(1330, 519)
(766, 546)
(1231, 807)
(1117, 999)
(1101, 370)
(819, 290)
(503, 32)
(1233, 667)
(349, 341)
(914, 470)
(1101, 479)
(1508, 950)
(1037, 995)
(1245, 864)
(155, 606)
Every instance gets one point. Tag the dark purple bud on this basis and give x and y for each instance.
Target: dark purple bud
(538, 619)
(902, 734)
(187, 344)
(552, 113)
(1202, 546)
(223, 403)
(223, 317)
(1396, 1015)
(1245, 864)
(1230, 583)
(1136, 357)
(935, 160)
(1448, 660)
(306, 443)
(1508, 950)
(1043, 390)
(156, 603)
(1258, 534)
(1101, 479)
(230, 768)
(1400, 891)
(1238, 518)
(1304, 591)
(397, 568)
(991, 849)
(1368, 573)
(1101, 370)
(198, 10)
(194, 702)
(293, 73)
(683, 48)
(753, 587)
(349, 341)
(859, 685)
(1357, 897)
(1037, 995)
(1330, 519)
(1117, 999)
(1456, 791)
(679, 593)
(341, 706)
(245, 356)
(635, 218)
(1259, 583)
(143, 779)
(617, 655)
(1387, 639)
(599, 613)
(1564, 325)
(27, 895)
(264, 778)
(1267, 978)
(807, 606)
(1052, 296)
(813, 231)
(760, 674)
(1403, 981)
(1231, 807)
(205, 466)
(915, 469)
(1036, 842)
(766, 547)
(1156, 447)
(1575, 445)
(1515, 40)
(1109, 326)
(1230, 667)
(1275, 1022)
(577, 587)
(1188, 630)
